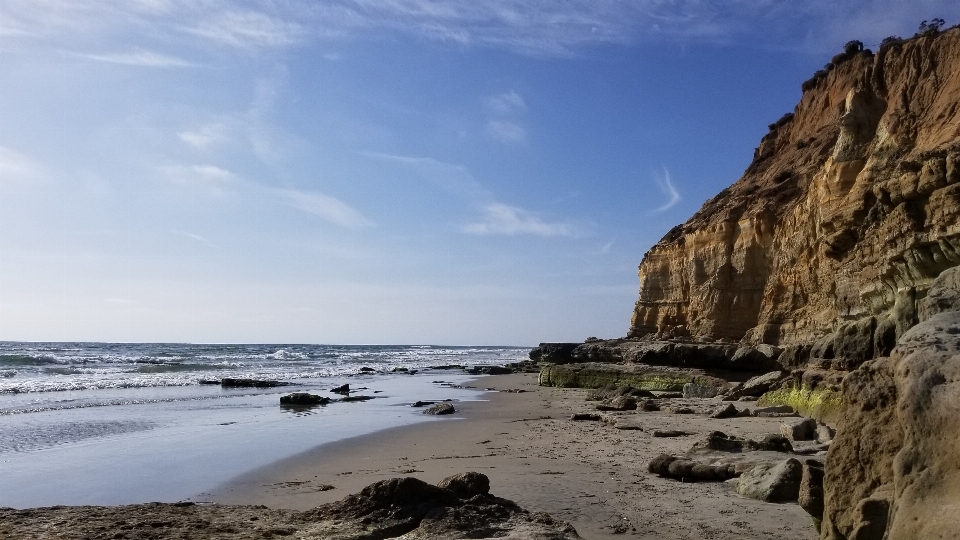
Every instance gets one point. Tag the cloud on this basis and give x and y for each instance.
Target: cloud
(507, 103)
(506, 131)
(509, 220)
(141, 58)
(197, 174)
(193, 236)
(17, 167)
(248, 29)
(327, 208)
(666, 186)
(205, 137)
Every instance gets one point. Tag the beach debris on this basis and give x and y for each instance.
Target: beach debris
(250, 383)
(342, 389)
(440, 408)
(687, 469)
(772, 482)
(303, 399)
(586, 417)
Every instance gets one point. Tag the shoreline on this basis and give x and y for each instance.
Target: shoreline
(587, 473)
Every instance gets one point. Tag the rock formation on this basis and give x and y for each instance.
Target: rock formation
(849, 210)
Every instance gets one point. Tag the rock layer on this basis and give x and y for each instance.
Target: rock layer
(850, 209)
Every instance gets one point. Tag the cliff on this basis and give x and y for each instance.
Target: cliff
(849, 210)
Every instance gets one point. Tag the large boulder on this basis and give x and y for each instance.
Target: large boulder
(891, 469)
(810, 497)
(772, 482)
(758, 385)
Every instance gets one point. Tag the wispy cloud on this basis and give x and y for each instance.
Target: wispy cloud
(496, 218)
(197, 174)
(328, 208)
(204, 137)
(507, 132)
(17, 167)
(194, 237)
(507, 102)
(248, 29)
(509, 220)
(666, 187)
(141, 58)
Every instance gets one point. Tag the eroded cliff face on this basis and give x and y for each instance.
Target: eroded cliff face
(850, 209)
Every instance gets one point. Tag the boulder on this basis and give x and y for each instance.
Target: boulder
(810, 497)
(694, 390)
(586, 416)
(342, 389)
(440, 408)
(303, 399)
(800, 430)
(686, 469)
(466, 485)
(772, 482)
(825, 433)
(759, 385)
(613, 391)
(775, 410)
(648, 405)
(620, 403)
(728, 411)
(722, 442)
(351, 399)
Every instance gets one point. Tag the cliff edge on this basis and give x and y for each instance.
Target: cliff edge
(834, 234)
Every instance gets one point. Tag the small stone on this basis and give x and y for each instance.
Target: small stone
(800, 430)
(586, 416)
(725, 412)
(466, 485)
(440, 408)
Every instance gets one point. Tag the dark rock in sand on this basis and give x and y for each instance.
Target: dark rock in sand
(722, 442)
(586, 416)
(342, 389)
(648, 405)
(249, 383)
(620, 403)
(440, 408)
(725, 412)
(670, 433)
(768, 482)
(686, 469)
(367, 369)
(466, 485)
(757, 385)
(304, 399)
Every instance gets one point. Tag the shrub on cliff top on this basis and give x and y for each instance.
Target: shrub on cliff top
(930, 27)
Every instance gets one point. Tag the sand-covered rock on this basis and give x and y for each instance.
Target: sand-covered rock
(460, 507)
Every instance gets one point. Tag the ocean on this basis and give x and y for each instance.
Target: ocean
(119, 423)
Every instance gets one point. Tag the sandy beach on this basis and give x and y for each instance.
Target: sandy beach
(591, 473)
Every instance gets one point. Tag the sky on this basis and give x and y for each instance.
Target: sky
(473, 172)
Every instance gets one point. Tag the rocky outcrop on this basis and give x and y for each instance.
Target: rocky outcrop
(459, 507)
(892, 470)
(831, 239)
(596, 375)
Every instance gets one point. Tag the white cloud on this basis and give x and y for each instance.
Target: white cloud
(507, 103)
(141, 58)
(204, 137)
(506, 131)
(509, 220)
(327, 208)
(666, 186)
(248, 29)
(197, 174)
(17, 167)
(193, 236)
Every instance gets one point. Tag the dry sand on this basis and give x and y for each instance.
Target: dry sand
(590, 474)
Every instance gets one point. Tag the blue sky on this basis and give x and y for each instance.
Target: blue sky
(389, 171)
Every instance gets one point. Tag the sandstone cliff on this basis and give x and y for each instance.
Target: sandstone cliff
(849, 210)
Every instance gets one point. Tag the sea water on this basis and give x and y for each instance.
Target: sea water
(109, 423)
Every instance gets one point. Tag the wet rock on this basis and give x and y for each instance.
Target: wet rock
(686, 469)
(440, 408)
(249, 383)
(303, 399)
(367, 369)
(350, 399)
(800, 430)
(767, 482)
(342, 389)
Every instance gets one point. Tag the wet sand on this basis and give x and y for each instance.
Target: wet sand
(590, 474)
